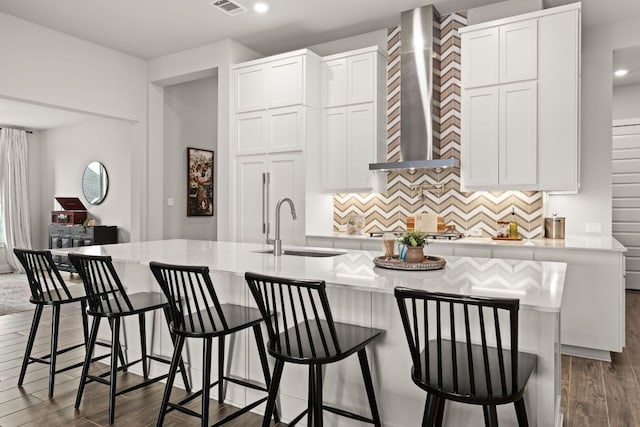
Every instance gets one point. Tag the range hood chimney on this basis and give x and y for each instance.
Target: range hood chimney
(416, 96)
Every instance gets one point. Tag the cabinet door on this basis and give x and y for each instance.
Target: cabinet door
(250, 132)
(480, 58)
(334, 148)
(479, 147)
(558, 101)
(361, 144)
(361, 78)
(250, 85)
(334, 81)
(285, 82)
(518, 140)
(519, 51)
(249, 201)
(285, 130)
(287, 180)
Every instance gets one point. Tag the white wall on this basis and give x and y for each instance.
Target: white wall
(66, 151)
(593, 202)
(49, 67)
(178, 68)
(626, 102)
(190, 120)
(372, 38)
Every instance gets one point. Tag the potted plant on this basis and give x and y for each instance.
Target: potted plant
(414, 241)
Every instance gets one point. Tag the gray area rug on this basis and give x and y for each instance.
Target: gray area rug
(14, 293)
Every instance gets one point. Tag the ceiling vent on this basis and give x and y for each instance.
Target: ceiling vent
(229, 7)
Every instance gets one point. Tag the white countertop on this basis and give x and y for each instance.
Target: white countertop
(538, 285)
(599, 242)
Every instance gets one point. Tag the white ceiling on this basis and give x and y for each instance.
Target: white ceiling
(152, 28)
(628, 59)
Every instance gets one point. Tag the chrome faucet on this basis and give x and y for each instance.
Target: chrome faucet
(277, 243)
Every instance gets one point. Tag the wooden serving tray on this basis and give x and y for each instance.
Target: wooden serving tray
(506, 238)
(395, 263)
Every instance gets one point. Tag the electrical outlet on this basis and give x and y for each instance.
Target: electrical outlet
(593, 227)
(475, 232)
(170, 201)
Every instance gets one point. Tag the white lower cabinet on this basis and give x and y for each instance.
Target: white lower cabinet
(285, 179)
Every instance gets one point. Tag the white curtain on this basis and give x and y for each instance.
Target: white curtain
(14, 192)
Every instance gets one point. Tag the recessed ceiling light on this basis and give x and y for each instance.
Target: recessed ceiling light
(261, 7)
(620, 73)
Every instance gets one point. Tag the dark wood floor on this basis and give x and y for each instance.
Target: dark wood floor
(28, 405)
(593, 393)
(596, 394)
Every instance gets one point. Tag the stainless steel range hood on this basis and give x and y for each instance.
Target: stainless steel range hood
(416, 78)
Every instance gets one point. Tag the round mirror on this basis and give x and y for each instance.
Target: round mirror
(95, 183)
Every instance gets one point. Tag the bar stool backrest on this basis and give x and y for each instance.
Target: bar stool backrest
(194, 304)
(44, 278)
(464, 369)
(105, 292)
(298, 304)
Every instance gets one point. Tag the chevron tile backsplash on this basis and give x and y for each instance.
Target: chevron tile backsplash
(430, 191)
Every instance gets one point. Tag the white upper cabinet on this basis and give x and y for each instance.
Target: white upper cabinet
(334, 78)
(479, 155)
(286, 82)
(278, 81)
(521, 79)
(250, 91)
(501, 54)
(517, 135)
(271, 101)
(349, 80)
(353, 120)
(519, 51)
(480, 58)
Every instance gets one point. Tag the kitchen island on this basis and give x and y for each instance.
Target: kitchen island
(593, 309)
(362, 294)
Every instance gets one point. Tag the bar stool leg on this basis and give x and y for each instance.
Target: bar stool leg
(490, 415)
(206, 381)
(318, 397)
(85, 322)
(32, 336)
(368, 384)
(430, 411)
(177, 354)
(115, 345)
(87, 359)
(55, 326)
(265, 365)
(143, 345)
(312, 398)
(521, 413)
(183, 370)
(220, 369)
(273, 392)
(440, 412)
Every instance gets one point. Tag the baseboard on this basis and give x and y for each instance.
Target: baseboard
(589, 353)
(5, 268)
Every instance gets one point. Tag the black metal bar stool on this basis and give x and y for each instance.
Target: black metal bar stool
(49, 289)
(301, 330)
(196, 312)
(464, 367)
(107, 298)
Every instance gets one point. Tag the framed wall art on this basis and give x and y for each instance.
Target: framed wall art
(200, 182)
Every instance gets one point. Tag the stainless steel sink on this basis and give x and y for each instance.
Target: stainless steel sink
(304, 252)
